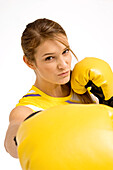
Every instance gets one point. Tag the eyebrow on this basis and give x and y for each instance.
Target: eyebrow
(48, 54)
(53, 53)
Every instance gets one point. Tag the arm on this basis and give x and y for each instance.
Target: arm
(17, 116)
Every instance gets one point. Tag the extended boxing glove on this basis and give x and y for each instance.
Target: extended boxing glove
(67, 137)
(97, 74)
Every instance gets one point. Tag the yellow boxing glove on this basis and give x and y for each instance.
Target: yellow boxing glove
(97, 74)
(70, 137)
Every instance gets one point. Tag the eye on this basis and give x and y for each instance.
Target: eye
(65, 51)
(48, 58)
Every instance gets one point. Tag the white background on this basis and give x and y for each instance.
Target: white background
(89, 26)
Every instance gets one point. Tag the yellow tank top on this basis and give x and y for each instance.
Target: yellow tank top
(38, 100)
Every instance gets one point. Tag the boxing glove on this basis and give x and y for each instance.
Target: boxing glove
(97, 74)
(67, 137)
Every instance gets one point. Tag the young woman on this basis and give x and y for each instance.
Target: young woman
(47, 52)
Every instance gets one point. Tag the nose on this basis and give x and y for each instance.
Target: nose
(62, 63)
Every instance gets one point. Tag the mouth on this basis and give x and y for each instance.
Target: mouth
(66, 73)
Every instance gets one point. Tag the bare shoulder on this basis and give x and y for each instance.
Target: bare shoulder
(19, 113)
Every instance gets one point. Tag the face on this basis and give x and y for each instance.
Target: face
(53, 62)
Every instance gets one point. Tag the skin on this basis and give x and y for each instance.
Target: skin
(52, 67)
(52, 75)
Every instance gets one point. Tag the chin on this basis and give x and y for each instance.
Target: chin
(65, 80)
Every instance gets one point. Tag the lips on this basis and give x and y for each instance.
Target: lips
(64, 73)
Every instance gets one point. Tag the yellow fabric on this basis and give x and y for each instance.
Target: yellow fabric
(96, 70)
(68, 137)
(44, 101)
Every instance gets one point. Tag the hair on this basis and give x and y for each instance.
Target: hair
(37, 32)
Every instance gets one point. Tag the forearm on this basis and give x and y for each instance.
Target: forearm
(9, 142)
(17, 115)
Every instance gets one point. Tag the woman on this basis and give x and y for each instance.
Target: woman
(47, 52)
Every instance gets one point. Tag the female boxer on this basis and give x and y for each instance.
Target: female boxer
(47, 52)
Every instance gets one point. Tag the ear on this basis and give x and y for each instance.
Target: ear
(29, 63)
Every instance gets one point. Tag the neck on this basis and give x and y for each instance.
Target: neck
(54, 90)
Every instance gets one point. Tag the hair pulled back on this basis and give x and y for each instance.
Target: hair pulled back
(38, 31)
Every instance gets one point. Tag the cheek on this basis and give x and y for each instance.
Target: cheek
(48, 69)
(69, 59)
